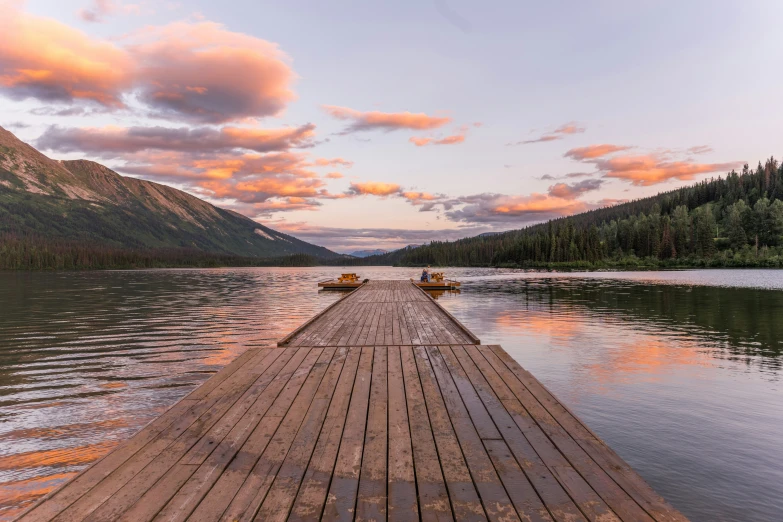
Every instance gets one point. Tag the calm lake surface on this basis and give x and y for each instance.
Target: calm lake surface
(680, 372)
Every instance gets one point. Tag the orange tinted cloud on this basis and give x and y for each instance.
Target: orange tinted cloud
(569, 128)
(362, 121)
(425, 201)
(238, 76)
(44, 59)
(574, 190)
(334, 175)
(593, 151)
(333, 162)
(535, 204)
(111, 141)
(420, 142)
(650, 169)
(488, 208)
(181, 167)
(459, 137)
(264, 188)
(647, 169)
(375, 188)
(451, 140)
(253, 184)
(448, 140)
(197, 71)
(419, 196)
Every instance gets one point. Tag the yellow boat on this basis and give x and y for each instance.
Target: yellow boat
(342, 282)
(437, 282)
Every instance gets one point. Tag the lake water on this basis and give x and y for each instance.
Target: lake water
(680, 372)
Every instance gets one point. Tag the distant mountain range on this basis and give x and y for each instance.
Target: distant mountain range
(84, 201)
(367, 253)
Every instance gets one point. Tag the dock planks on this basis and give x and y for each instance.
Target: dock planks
(382, 407)
(382, 313)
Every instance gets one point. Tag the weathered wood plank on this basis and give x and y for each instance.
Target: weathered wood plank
(371, 499)
(193, 491)
(478, 412)
(341, 501)
(434, 500)
(312, 494)
(402, 504)
(526, 501)
(281, 495)
(525, 413)
(225, 488)
(251, 494)
(465, 500)
(496, 503)
(541, 477)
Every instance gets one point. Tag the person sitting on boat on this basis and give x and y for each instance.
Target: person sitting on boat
(425, 275)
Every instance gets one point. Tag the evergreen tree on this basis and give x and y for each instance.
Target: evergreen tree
(734, 229)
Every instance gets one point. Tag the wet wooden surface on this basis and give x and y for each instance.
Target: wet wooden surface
(383, 407)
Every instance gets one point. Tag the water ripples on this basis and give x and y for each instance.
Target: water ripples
(668, 367)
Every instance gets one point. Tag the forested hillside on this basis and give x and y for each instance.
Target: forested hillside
(731, 221)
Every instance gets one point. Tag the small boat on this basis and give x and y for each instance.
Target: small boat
(345, 281)
(437, 282)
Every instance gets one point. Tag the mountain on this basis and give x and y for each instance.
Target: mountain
(367, 253)
(736, 220)
(83, 201)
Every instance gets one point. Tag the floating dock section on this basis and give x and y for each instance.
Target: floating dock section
(383, 406)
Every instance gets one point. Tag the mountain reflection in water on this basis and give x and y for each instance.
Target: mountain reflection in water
(678, 371)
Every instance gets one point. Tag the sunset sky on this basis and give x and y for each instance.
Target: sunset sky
(380, 124)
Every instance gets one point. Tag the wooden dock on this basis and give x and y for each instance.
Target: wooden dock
(382, 406)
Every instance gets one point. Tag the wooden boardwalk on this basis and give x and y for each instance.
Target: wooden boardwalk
(381, 407)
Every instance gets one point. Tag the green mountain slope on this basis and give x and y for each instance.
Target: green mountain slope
(83, 201)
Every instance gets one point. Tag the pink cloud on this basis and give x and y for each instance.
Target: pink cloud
(334, 175)
(448, 140)
(650, 169)
(574, 190)
(499, 208)
(197, 71)
(44, 59)
(112, 141)
(333, 162)
(647, 169)
(420, 142)
(594, 151)
(375, 188)
(237, 76)
(362, 121)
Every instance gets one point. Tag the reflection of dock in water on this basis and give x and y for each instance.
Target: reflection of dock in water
(381, 406)
(435, 294)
